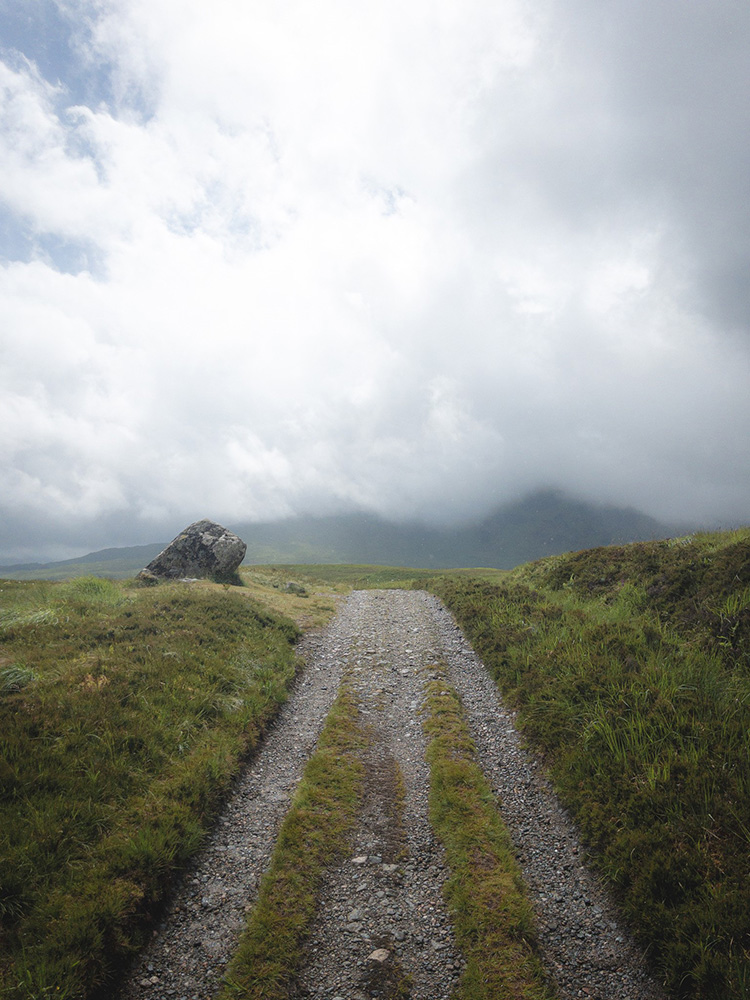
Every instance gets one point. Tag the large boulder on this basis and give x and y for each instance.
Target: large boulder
(202, 549)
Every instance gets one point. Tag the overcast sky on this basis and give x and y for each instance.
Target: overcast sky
(417, 257)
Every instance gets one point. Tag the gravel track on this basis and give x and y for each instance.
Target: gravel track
(387, 894)
(199, 930)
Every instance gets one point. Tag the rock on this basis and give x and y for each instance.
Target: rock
(203, 549)
(380, 955)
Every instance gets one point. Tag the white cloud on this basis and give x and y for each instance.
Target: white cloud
(415, 258)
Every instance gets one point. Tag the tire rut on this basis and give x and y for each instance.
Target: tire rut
(199, 929)
(386, 899)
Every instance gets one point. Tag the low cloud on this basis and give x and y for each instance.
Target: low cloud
(301, 258)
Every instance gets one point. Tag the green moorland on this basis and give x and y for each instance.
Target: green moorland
(350, 576)
(630, 671)
(124, 713)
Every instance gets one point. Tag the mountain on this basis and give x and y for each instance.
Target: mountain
(542, 524)
(117, 563)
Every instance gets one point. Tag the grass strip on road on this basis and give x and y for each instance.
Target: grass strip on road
(493, 919)
(313, 834)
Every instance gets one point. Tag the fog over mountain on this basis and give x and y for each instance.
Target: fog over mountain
(414, 261)
(542, 524)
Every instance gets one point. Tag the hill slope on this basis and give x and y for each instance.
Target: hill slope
(542, 524)
(629, 667)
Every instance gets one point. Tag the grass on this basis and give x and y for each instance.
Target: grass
(310, 601)
(630, 669)
(492, 917)
(313, 834)
(124, 713)
(351, 577)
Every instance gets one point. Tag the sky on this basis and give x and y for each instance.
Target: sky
(416, 258)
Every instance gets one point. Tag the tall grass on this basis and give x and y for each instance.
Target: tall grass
(123, 715)
(630, 669)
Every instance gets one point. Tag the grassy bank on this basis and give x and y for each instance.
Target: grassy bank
(630, 669)
(123, 715)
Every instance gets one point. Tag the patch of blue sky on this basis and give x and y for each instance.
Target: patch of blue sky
(21, 243)
(221, 212)
(59, 46)
(238, 234)
(79, 144)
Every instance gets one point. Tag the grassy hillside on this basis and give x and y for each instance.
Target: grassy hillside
(114, 564)
(124, 713)
(630, 670)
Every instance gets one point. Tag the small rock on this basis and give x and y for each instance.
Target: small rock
(380, 955)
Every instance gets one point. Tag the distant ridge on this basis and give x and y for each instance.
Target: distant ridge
(118, 562)
(542, 524)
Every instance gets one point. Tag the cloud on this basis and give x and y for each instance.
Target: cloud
(300, 257)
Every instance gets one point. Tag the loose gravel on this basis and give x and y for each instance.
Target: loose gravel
(200, 928)
(381, 917)
(584, 945)
(385, 899)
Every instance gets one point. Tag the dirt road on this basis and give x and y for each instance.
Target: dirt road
(387, 892)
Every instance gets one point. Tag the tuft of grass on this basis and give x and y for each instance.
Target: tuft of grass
(14, 678)
(115, 759)
(492, 917)
(313, 834)
(629, 667)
